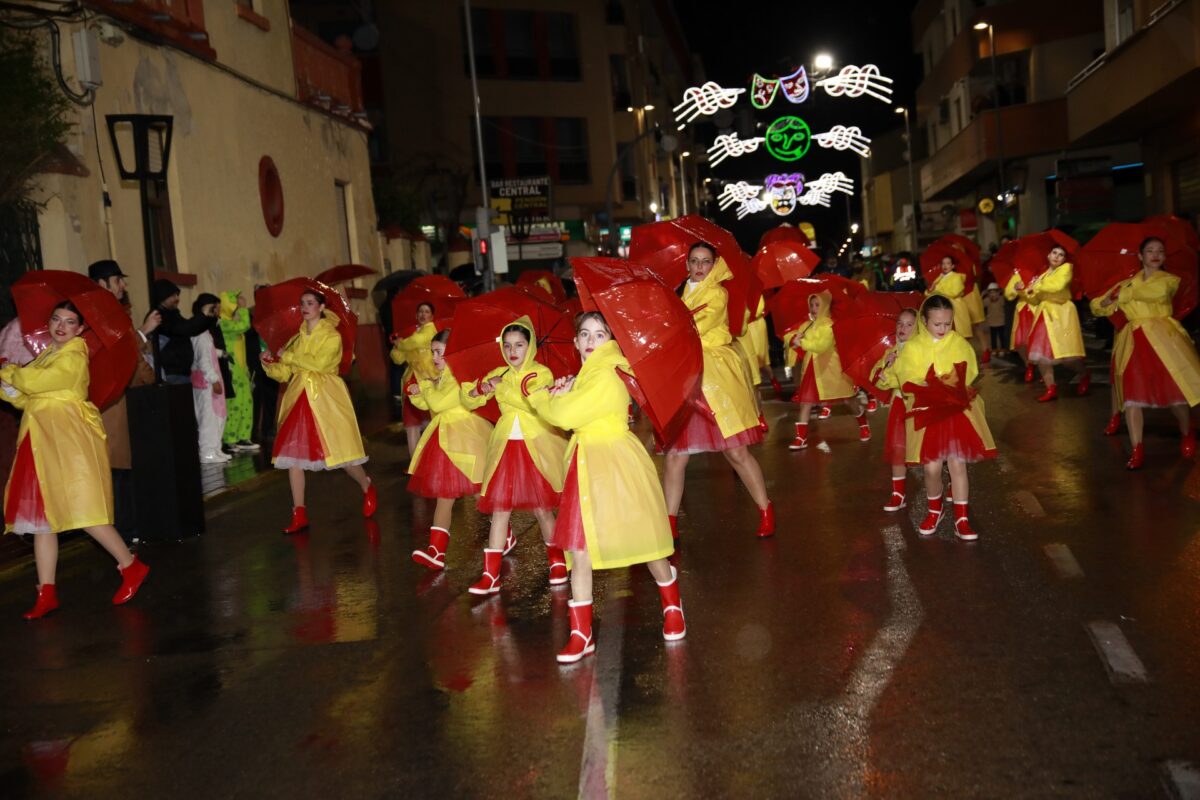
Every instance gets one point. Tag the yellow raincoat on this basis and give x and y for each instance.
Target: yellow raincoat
(309, 364)
(821, 355)
(754, 341)
(412, 352)
(951, 286)
(1147, 305)
(65, 434)
(724, 383)
(621, 500)
(975, 305)
(1050, 293)
(546, 445)
(912, 365)
(463, 436)
(883, 377)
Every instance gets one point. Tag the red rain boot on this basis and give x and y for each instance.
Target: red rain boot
(1187, 447)
(778, 389)
(1051, 393)
(580, 644)
(47, 601)
(962, 525)
(1113, 425)
(434, 555)
(801, 440)
(370, 501)
(825, 413)
(1138, 458)
(933, 517)
(674, 627)
(131, 580)
(1085, 383)
(766, 521)
(872, 404)
(864, 428)
(762, 424)
(674, 526)
(489, 582)
(510, 541)
(986, 357)
(1029, 372)
(898, 500)
(558, 565)
(299, 520)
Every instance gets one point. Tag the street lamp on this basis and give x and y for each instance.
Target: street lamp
(991, 32)
(912, 184)
(683, 180)
(823, 62)
(853, 227)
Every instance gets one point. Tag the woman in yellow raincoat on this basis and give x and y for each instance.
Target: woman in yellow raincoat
(1056, 337)
(612, 513)
(412, 352)
(317, 426)
(1154, 360)
(952, 285)
(1024, 317)
(724, 416)
(60, 480)
(956, 439)
(449, 460)
(821, 378)
(895, 448)
(525, 455)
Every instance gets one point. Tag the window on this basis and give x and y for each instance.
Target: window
(529, 143)
(614, 12)
(1124, 20)
(622, 99)
(958, 114)
(159, 228)
(524, 45)
(628, 172)
(563, 47)
(520, 54)
(1185, 180)
(522, 147)
(342, 197)
(571, 139)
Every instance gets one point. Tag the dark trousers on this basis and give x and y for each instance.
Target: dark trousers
(266, 397)
(999, 342)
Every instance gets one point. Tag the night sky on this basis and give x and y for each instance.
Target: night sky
(769, 41)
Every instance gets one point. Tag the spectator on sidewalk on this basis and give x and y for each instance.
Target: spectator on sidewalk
(175, 334)
(208, 389)
(239, 402)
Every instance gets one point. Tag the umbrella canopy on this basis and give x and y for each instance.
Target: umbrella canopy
(277, 315)
(784, 257)
(1111, 256)
(539, 279)
(1179, 225)
(111, 340)
(663, 247)
(890, 303)
(785, 233)
(1027, 255)
(344, 273)
(931, 262)
(957, 240)
(789, 306)
(436, 290)
(655, 331)
(474, 347)
(861, 340)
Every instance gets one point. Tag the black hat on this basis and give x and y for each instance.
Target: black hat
(163, 289)
(103, 270)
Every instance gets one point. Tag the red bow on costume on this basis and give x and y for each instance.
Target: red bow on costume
(939, 398)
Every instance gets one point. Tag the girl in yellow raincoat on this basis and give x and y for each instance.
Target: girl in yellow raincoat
(317, 426)
(449, 460)
(1056, 337)
(952, 286)
(525, 455)
(953, 440)
(412, 352)
(895, 448)
(1154, 360)
(1024, 316)
(821, 378)
(60, 479)
(724, 416)
(612, 513)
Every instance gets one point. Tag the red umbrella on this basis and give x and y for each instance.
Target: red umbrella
(1111, 257)
(1002, 266)
(931, 263)
(783, 259)
(789, 306)
(663, 247)
(474, 346)
(890, 303)
(938, 400)
(1179, 225)
(111, 340)
(784, 233)
(655, 331)
(537, 279)
(436, 290)
(277, 315)
(344, 273)
(964, 244)
(861, 340)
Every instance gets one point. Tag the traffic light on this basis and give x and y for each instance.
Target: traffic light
(482, 242)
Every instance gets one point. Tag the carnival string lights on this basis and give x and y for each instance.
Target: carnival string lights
(854, 81)
(841, 137)
(728, 145)
(737, 193)
(706, 99)
(794, 86)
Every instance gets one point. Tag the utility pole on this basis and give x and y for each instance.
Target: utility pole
(483, 264)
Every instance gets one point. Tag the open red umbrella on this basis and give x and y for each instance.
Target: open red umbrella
(789, 306)
(1179, 225)
(966, 245)
(112, 342)
(890, 303)
(861, 340)
(938, 400)
(344, 273)
(1111, 256)
(277, 315)
(655, 331)
(436, 290)
(663, 247)
(474, 346)
(1027, 255)
(783, 255)
(931, 263)
(539, 279)
(784, 233)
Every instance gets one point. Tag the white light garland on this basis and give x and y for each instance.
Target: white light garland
(751, 205)
(840, 137)
(738, 192)
(832, 182)
(708, 98)
(728, 145)
(854, 81)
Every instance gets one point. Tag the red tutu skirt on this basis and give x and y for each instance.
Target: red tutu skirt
(701, 434)
(1146, 381)
(807, 392)
(568, 526)
(517, 483)
(894, 441)
(25, 512)
(413, 417)
(1022, 326)
(1039, 347)
(298, 444)
(435, 475)
(954, 437)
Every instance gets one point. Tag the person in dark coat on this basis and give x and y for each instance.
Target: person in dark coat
(175, 334)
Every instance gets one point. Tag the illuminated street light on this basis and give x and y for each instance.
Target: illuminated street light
(823, 62)
(648, 107)
(653, 207)
(854, 227)
(981, 26)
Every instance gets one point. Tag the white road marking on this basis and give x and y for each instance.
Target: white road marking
(1122, 663)
(824, 447)
(1028, 503)
(1182, 779)
(597, 772)
(1063, 560)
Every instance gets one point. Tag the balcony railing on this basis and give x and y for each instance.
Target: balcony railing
(325, 76)
(179, 22)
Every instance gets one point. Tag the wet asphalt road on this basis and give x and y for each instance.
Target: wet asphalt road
(846, 657)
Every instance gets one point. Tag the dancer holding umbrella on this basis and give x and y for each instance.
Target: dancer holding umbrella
(429, 303)
(1056, 337)
(318, 429)
(940, 263)
(895, 448)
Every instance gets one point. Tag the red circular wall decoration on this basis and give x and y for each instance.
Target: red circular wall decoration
(270, 191)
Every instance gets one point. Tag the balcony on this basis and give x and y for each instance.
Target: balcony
(1028, 129)
(177, 22)
(326, 77)
(1148, 79)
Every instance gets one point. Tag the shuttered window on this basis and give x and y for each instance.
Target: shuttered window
(1185, 180)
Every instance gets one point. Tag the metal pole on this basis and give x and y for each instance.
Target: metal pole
(996, 109)
(914, 222)
(683, 184)
(489, 276)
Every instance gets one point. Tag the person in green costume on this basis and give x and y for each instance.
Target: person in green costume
(235, 321)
